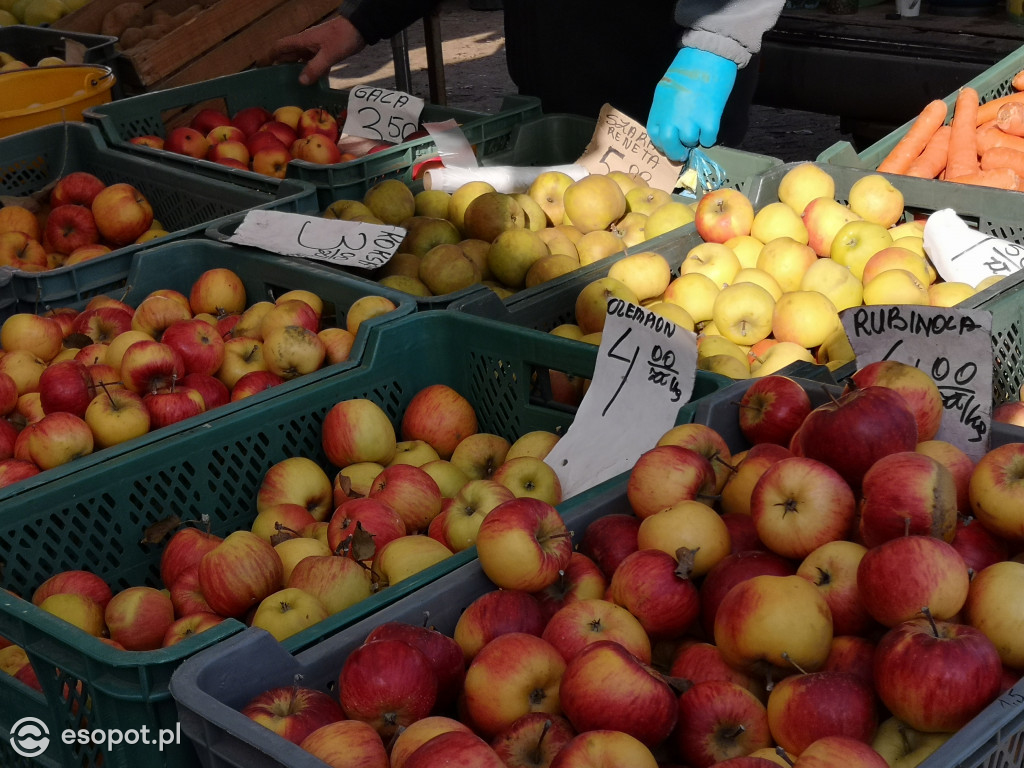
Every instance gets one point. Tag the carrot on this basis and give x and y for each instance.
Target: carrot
(993, 137)
(999, 178)
(1017, 83)
(1010, 118)
(990, 109)
(962, 156)
(932, 159)
(915, 139)
(1003, 157)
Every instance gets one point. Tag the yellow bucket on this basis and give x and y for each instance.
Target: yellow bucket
(39, 96)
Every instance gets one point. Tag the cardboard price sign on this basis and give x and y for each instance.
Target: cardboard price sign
(962, 254)
(646, 366)
(378, 113)
(951, 345)
(620, 143)
(345, 243)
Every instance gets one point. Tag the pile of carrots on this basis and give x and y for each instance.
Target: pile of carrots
(982, 144)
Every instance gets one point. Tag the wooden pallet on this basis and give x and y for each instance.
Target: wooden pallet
(225, 37)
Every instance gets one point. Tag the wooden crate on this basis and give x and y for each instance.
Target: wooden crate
(223, 37)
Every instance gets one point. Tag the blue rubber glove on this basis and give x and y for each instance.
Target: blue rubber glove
(688, 102)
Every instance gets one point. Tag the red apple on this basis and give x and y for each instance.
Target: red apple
(208, 118)
(76, 188)
(445, 655)
(170, 405)
(597, 749)
(666, 475)
(533, 740)
(318, 120)
(183, 552)
(719, 720)
(798, 504)
(936, 676)
(723, 214)
(697, 662)
(499, 612)
(189, 625)
(249, 119)
(655, 587)
(440, 416)
(187, 595)
(804, 707)
(853, 655)
(15, 470)
(581, 579)
(8, 437)
(901, 576)
(853, 432)
(997, 491)
(337, 582)
(148, 366)
(454, 748)
(347, 743)
(271, 160)
(54, 440)
(65, 386)
(978, 546)
(254, 382)
(139, 617)
(376, 518)
(604, 686)
(772, 409)
(8, 394)
(388, 684)
(79, 582)
(609, 539)
(730, 571)
(917, 388)
(102, 324)
(293, 712)
(907, 493)
(213, 391)
(239, 572)
(832, 568)
(526, 670)
(580, 624)
(523, 544)
(69, 227)
(316, 148)
(200, 346)
(411, 492)
(839, 752)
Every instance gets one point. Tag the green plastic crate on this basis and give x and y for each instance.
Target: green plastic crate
(176, 266)
(990, 211)
(183, 202)
(94, 519)
(272, 87)
(30, 44)
(990, 84)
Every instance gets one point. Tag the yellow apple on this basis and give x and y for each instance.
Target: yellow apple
(716, 345)
(949, 294)
(725, 365)
(895, 257)
(694, 292)
(597, 245)
(668, 217)
(746, 248)
(593, 202)
(835, 351)
(646, 200)
(913, 228)
(647, 273)
(806, 318)
(858, 241)
(778, 356)
(547, 190)
(896, 286)
(824, 217)
(743, 313)
(673, 312)
(804, 182)
(787, 260)
(874, 198)
(714, 260)
(778, 220)
(835, 281)
(759, 277)
(592, 302)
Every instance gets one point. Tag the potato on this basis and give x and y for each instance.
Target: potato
(121, 17)
(131, 37)
(155, 31)
(187, 15)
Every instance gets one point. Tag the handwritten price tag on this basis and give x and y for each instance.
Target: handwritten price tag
(645, 370)
(377, 113)
(620, 143)
(965, 255)
(345, 243)
(953, 346)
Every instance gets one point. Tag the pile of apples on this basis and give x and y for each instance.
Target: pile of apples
(9, 62)
(72, 382)
(839, 595)
(317, 545)
(765, 288)
(264, 141)
(81, 218)
(510, 241)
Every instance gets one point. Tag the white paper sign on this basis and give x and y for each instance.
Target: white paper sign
(965, 255)
(379, 113)
(952, 345)
(646, 366)
(345, 243)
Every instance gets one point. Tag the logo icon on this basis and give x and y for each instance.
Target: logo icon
(30, 737)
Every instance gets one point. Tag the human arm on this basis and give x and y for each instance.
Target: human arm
(717, 40)
(359, 23)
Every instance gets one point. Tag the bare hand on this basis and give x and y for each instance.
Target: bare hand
(321, 47)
